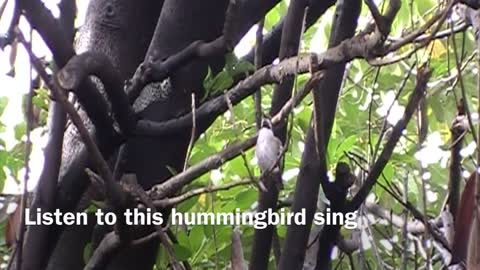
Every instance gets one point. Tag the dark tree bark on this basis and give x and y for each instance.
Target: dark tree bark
(313, 167)
(123, 31)
(291, 36)
(41, 242)
(151, 158)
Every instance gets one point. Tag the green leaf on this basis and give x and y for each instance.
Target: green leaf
(3, 178)
(246, 198)
(20, 130)
(187, 205)
(87, 252)
(92, 208)
(345, 146)
(196, 236)
(221, 81)
(182, 252)
(41, 99)
(3, 104)
(206, 84)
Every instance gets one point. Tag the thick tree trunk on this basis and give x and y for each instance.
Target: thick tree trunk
(122, 31)
(290, 43)
(313, 168)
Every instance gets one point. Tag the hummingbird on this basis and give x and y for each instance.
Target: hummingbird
(268, 148)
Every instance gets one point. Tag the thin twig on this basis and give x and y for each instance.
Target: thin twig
(28, 146)
(259, 184)
(113, 190)
(12, 258)
(422, 78)
(405, 241)
(199, 191)
(192, 135)
(462, 88)
(440, 17)
(258, 64)
(385, 122)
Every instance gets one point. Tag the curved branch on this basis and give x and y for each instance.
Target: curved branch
(98, 64)
(361, 46)
(104, 253)
(42, 20)
(153, 70)
(115, 193)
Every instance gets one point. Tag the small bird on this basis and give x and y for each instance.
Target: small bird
(268, 148)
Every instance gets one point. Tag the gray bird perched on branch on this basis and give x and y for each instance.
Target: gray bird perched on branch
(268, 149)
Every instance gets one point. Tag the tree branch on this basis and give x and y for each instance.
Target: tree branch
(247, 13)
(68, 13)
(115, 194)
(313, 166)
(329, 234)
(168, 202)
(361, 46)
(423, 76)
(271, 44)
(167, 188)
(289, 46)
(80, 67)
(458, 130)
(42, 20)
(110, 245)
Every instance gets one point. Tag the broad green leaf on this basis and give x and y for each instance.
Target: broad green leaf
(181, 252)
